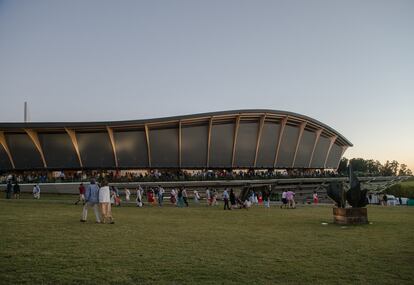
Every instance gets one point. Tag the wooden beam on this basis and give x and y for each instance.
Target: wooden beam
(318, 135)
(148, 144)
(210, 126)
(281, 132)
(344, 148)
(259, 137)
(74, 140)
(35, 139)
(111, 138)
(332, 141)
(179, 143)
(301, 130)
(3, 142)
(236, 131)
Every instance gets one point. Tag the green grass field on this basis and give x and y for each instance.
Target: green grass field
(43, 242)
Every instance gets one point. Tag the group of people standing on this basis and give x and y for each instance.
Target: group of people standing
(12, 189)
(235, 202)
(288, 200)
(178, 197)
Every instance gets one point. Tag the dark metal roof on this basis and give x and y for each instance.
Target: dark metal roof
(16, 126)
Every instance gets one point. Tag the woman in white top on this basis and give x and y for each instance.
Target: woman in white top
(127, 194)
(173, 197)
(196, 197)
(139, 197)
(105, 203)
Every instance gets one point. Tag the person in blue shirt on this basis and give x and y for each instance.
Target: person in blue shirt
(91, 200)
(226, 199)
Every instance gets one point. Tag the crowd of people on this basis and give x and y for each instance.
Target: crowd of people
(179, 197)
(157, 175)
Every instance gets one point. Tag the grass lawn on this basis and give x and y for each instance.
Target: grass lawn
(43, 242)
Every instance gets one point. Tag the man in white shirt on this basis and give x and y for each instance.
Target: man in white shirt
(36, 191)
(226, 199)
(139, 197)
(284, 199)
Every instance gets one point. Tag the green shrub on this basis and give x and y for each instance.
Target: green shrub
(403, 189)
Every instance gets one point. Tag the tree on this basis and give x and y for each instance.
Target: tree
(386, 169)
(373, 166)
(358, 165)
(394, 167)
(404, 171)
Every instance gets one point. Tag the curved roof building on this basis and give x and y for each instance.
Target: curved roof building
(230, 139)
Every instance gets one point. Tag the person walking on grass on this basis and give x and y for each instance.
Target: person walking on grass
(284, 200)
(315, 198)
(9, 189)
(290, 196)
(127, 195)
(180, 200)
(105, 203)
(208, 196)
(185, 197)
(226, 199)
(232, 199)
(36, 191)
(213, 194)
(173, 197)
(160, 195)
(139, 196)
(91, 201)
(196, 197)
(81, 194)
(266, 197)
(16, 190)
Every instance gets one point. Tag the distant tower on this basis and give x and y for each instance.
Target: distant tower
(25, 111)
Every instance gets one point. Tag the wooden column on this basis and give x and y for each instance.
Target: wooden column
(318, 135)
(35, 139)
(111, 138)
(148, 145)
(281, 131)
(332, 141)
(236, 131)
(302, 129)
(210, 126)
(3, 142)
(259, 137)
(74, 140)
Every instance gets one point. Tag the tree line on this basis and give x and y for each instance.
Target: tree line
(374, 167)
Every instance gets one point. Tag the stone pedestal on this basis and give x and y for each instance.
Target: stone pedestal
(350, 216)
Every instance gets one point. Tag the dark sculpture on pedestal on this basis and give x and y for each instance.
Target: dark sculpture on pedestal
(355, 197)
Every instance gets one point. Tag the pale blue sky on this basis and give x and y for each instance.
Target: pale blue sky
(349, 64)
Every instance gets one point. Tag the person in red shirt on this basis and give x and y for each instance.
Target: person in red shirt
(81, 194)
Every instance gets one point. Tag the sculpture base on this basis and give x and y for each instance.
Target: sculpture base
(350, 216)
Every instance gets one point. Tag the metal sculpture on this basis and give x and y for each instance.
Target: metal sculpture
(355, 197)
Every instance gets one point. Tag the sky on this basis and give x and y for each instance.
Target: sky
(348, 64)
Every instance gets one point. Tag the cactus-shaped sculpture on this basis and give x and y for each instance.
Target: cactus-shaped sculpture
(355, 197)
